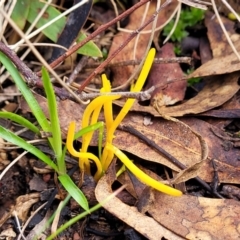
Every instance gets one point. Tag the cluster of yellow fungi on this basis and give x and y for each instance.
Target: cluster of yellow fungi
(90, 117)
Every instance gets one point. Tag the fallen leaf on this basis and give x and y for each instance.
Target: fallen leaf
(24, 203)
(135, 19)
(147, 226)
(227, 161)
(219, 45)
(166, 93)
(197, 217)
(181, 143)
(224, 61)
(174, 138)
(8, 234)
(217, 66)
(37, 184)
(217, 91)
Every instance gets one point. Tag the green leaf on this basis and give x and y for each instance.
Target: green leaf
(20, 12)
(54, 120)
(27, 94)
(10, 137)
(18, 119)
(90, 48)
(74, 191)
(53, 31)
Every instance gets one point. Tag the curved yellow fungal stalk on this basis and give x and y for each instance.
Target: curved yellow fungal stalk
(143, 177)
(93, 109)
(107, 157)
(108, 113)
(82, 155)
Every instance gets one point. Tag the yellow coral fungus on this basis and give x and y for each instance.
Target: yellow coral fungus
(143, 177)
(83, 155)
(107, 157)
(92, 111)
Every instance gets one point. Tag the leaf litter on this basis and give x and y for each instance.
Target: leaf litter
(189, 216)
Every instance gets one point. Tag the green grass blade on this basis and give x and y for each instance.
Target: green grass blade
(74, 191)
(27, 94)
(20, 120)
(90, 128)
(12, 138)
(54, 120)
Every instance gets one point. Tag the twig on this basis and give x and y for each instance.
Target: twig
(130, 37)
(39, 57)
(28, 74)
(141, 96)
(187, 60)
(94, 34)
(34, 81)
(78, 68)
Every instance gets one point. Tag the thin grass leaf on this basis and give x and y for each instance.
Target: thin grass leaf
(27, 94)
(54, 120)
(12, 138)
(20, 120)
(74, 191)
(88, 129)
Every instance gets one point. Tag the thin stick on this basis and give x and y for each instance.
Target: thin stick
(12, 163)
(94, 34)
(40, 58)
(187, 60)
(129, 38)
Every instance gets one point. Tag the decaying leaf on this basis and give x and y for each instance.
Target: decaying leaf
(217, 66)
(196, 217)
(166, 93)
(219, 45)
(217, 91)
(174, 138)
(120, 74)
(226, 159)
(224, 61)
(147, 226)
(24, 203)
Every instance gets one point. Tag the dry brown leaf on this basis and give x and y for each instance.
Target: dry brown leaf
(147, 226)
(193, 170)
(166, 93)
(181, 143)
(226, 159)
(37, 184)
(217, 66)
(224, 61)
(196, 217)
(219, 45)
(217, 91)
(174, 138)
(122, 74)
(8, 234)
(24, 203)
